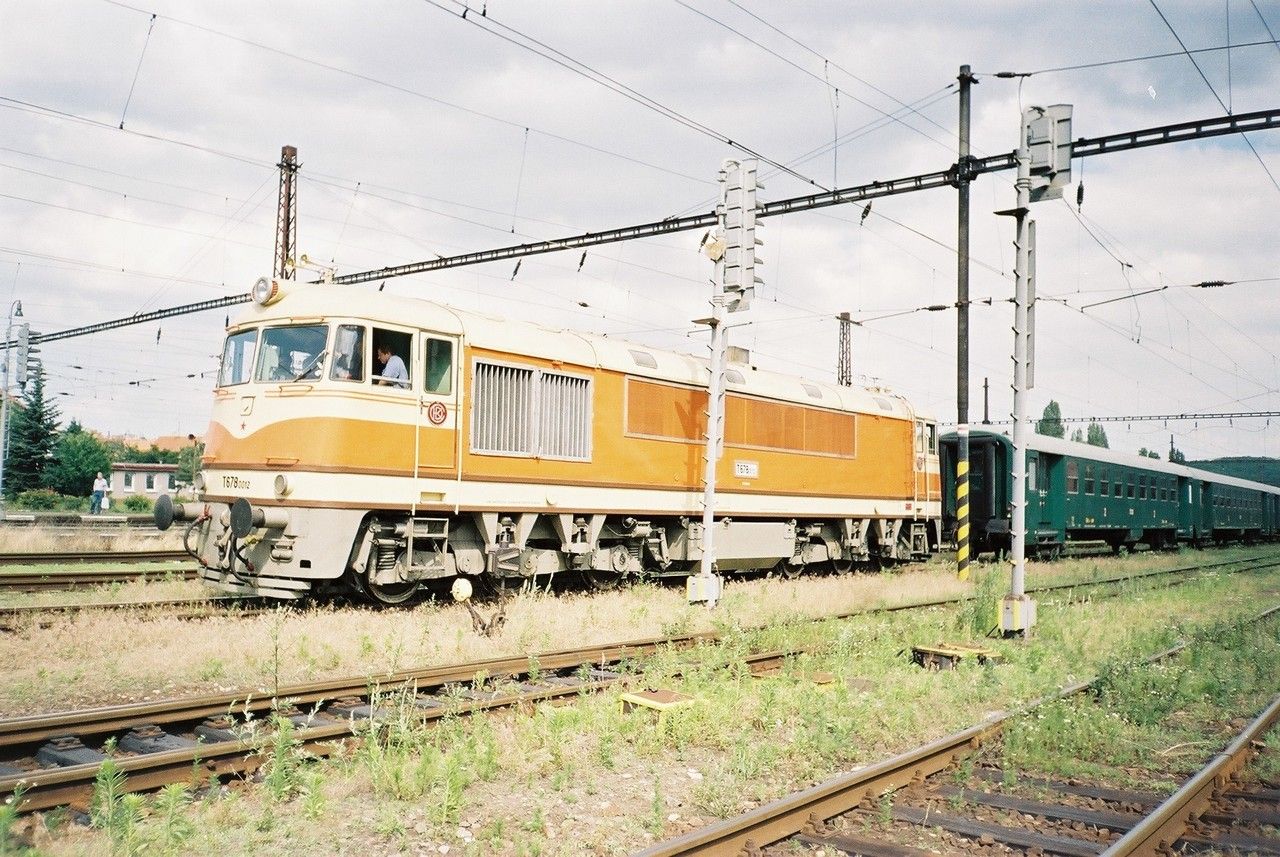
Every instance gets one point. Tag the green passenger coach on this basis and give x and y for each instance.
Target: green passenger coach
(1082, 493)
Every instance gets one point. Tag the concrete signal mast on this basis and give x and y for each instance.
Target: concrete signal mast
(731, 245)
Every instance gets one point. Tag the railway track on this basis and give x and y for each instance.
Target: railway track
(63, 580)
(12, 617)
(57, 571)
(73, 522)
(54, 758)
(70, 557)
(806, 817)
(1211, 812)
(45, 581)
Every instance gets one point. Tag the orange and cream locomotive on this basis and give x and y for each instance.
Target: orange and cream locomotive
(369, 442)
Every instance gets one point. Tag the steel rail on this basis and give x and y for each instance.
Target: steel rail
(54, 787)
(45, 581)
(51, 787)
(1156, 834)
(33, 729)
(101, 720)
(789, 815)
(32, 558)
(197, 607)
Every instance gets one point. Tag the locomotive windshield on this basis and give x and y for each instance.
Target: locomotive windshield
(292, 353)
(237, 358)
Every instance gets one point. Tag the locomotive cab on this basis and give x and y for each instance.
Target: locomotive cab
(306, 406)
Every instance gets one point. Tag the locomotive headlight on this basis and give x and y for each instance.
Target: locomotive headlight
(282, 485)
(266, 291)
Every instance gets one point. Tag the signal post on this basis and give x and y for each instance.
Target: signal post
(1044, 168)
(731, 245)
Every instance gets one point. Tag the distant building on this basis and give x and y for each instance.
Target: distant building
(149, 480)
(172, 442)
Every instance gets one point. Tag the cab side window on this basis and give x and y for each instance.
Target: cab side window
(348, 353)
(391, 352)
(439, 363)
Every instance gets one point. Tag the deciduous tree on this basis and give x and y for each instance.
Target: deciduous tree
(1097, 436)
(1050, 422)
(77, 459)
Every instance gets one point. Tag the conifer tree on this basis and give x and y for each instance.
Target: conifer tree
(33, 434)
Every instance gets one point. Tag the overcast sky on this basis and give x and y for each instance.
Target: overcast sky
(422, 133)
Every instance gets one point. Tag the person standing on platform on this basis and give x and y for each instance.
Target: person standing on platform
(99, 491)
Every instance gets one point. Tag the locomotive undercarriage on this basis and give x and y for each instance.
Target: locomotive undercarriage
(389, 557)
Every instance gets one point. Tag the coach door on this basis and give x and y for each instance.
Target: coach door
(438, 420)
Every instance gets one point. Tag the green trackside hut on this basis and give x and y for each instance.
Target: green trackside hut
(1077, 492)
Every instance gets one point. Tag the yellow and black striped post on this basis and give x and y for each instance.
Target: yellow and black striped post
(962, 503)
(963, 178)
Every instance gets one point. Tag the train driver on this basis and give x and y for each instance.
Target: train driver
(394, 373)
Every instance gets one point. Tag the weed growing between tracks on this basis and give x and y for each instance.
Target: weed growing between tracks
(585, 778)
(1146, 724)
(89, 659)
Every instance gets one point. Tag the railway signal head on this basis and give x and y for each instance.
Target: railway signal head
(740, 239)
(24, 351)
(1046, 132)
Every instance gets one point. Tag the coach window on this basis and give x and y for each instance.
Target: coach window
(396, 347)
(1142, 487)
(1088, 478)
(439, 362)
(1119, 486)
(1073, 477)
(1131, 493)
(1104, 483)
(348, 353)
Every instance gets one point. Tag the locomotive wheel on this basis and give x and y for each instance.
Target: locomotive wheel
(388, 594)
(391, 593)
(842, 566)
(602, 581)
(785, 569)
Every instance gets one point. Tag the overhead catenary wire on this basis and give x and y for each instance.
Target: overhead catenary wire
(1221, 103)
(1143, 58)
(826, 60)
(820, 79)
(328, 66)
(522, 40)
(151, 25)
